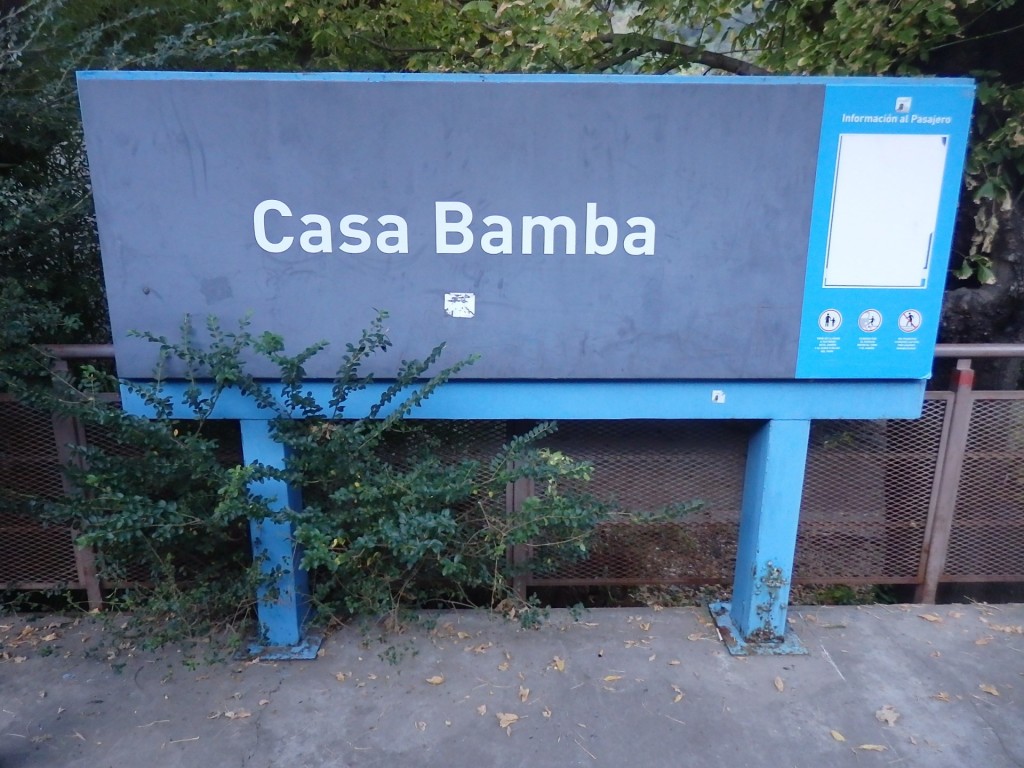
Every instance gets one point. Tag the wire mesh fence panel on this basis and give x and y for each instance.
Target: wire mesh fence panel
(29, 465)
(32, 555)
(987, 537)
(676, 488)
(867, 495)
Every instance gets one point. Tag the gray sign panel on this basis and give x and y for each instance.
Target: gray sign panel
(597, 229)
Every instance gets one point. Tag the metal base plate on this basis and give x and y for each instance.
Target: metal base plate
(737, 645)
(304, 651)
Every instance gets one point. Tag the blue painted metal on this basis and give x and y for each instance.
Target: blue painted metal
(417, 77)
(306, 649)
(606, 400)
(855, 109)
(738, 645)
(283, 600)
(772, 489)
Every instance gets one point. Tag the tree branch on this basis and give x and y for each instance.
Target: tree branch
(639, 44)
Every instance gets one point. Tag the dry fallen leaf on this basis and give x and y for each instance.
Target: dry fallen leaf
(612, 678)
(694, 636)
(463, 635)
(989, 689)
(645, 626)
(506, 720)
(238, 714)
(264, 702)
(872, 747)
(675, 663)
(341, 677)
(942, 696)
(780, 686)
(984, 640)
(1010, 630)
(49, 638)
(481, 710)
(546, 711)
(887, 715)
(679, 694)
(503, 667)
(436, 679)
(931, 617)
(421, 725)
(481, 648)
(558, 663)
(524, 694)
(837, 735)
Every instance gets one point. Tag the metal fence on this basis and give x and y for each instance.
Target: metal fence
(919, 502)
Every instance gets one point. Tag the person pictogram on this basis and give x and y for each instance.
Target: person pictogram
(870, 320)
(910, 320)
(830, 320)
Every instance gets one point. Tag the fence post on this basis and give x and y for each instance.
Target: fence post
(68, 431)
(936, 544)
(519, 554)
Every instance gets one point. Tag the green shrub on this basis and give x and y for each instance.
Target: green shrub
(393, 517)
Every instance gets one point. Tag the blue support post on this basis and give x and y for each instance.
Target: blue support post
(282, 601)
(755, 621)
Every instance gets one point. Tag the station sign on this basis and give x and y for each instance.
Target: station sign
(560, 228)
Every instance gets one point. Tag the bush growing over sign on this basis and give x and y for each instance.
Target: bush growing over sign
(389, 520)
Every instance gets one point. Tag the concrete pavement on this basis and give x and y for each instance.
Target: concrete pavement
(880, 686)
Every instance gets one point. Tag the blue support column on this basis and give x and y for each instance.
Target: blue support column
(755, 621)
(283, 599)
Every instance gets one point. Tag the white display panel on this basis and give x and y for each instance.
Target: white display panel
(884, 210)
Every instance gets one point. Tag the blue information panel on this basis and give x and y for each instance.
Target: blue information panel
(889, 169)
(561, 228)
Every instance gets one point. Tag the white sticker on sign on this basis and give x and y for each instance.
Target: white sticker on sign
(460, 304)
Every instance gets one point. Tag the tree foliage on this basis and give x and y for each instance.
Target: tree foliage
(962, 37)
(48, 241)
